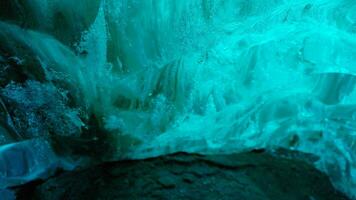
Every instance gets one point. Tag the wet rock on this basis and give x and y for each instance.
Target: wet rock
(251, 175)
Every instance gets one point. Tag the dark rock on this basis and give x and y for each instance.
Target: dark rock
(167, 181)
(188, 178)
(257, 175)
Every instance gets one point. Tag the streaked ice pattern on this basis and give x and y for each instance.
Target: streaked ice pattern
(205, 76)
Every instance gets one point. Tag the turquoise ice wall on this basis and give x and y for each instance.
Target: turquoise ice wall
(200, 75)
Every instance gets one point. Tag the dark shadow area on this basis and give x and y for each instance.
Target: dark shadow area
(256, 175)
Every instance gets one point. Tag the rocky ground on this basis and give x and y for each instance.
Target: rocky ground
(256, 175)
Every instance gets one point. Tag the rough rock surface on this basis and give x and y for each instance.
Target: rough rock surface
(253, 175)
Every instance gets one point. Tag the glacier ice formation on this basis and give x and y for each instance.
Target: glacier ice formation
(197, 76)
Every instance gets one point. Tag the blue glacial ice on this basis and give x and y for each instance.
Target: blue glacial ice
(202, 76)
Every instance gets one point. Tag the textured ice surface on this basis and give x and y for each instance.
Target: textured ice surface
(28, 160)
(203, 75)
